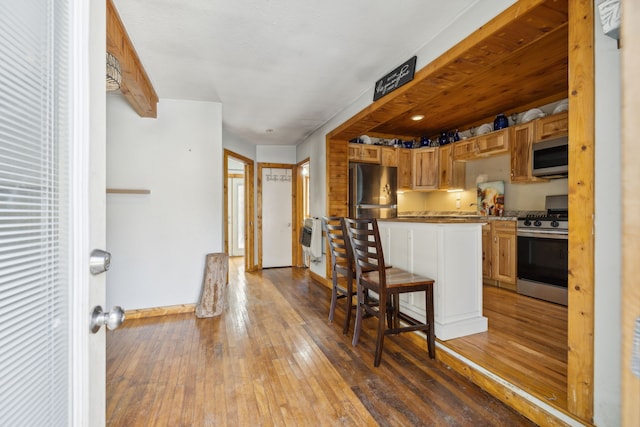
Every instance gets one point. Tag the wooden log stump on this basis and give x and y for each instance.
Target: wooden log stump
(214, 286)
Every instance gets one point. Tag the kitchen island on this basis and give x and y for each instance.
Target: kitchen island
(449, 250)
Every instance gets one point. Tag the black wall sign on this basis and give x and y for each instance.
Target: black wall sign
(392, 81)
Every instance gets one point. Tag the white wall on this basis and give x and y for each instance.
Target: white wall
(159, 241)
(276, 154)
(238, 145)
(608, 202)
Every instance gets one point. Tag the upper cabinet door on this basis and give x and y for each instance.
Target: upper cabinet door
(425, 168)
(522, 137)
(552, 126)
(364, 153)
(404, 168)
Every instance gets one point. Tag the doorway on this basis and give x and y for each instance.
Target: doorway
(302, 210)
(276, 210)
(239, 212)
(236, 196)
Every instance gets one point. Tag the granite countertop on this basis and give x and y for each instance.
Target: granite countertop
(451, 217)
(466, 219)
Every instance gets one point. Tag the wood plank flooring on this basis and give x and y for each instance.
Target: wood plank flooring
(272, 359)
(526, 344)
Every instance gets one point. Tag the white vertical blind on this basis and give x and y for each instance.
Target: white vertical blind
(34, 284)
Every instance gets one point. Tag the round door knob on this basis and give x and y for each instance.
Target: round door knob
(112, 319)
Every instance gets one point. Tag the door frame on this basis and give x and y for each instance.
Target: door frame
(294, 226)
(249, 213)
(298, 216)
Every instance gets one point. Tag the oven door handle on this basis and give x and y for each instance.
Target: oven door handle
(547, 234)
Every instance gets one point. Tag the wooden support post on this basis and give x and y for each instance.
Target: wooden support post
(214, 286)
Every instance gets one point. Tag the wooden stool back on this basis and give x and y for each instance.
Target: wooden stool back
(341, 264)
(388, 283)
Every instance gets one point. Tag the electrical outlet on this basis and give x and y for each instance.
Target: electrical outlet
(458, 204)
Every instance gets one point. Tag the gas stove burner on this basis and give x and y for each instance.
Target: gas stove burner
(555, 220)
(547, 216)
(542, 223)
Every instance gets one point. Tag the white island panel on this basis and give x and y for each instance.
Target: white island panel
(449, 253)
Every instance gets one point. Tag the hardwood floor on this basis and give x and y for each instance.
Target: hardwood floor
(526, 344)
(273, 359)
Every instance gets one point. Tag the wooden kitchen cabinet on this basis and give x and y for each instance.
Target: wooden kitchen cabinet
(486, 251)
(364, 153)
(424, 168)
(550, 127)
(491, 144)
(522, 138)
(404, 168)
(451, 172)
(499, 252)
(504, 252)
(465, 150)
(389, 156)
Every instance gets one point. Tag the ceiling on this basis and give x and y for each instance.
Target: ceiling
(280, 68)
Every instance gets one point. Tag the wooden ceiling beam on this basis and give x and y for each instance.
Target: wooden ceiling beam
(135, 85)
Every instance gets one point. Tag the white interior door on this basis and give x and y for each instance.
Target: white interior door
(52, 367)
(276, 217)
(91, 181)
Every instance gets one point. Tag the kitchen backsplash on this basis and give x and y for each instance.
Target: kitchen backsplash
(518, 197)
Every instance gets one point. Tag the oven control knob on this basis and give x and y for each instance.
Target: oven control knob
(538, 223)
(555, 223)
(527, 222)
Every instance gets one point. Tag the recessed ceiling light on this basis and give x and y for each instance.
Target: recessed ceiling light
(417, 117)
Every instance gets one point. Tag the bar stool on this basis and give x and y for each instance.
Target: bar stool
(341, 264)
(388, 283)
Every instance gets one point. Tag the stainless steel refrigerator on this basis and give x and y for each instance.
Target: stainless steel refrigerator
(372, 191)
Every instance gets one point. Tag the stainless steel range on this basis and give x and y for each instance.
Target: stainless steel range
(543, 252)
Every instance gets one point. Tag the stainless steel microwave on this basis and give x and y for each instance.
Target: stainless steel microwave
(550, 159)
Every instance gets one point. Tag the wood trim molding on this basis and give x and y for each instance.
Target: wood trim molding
(298, 214)
(127, 191)
(143, 313)
(249, 212)
(136, 85)
(495, 388)
(321, 280)
(580, 357)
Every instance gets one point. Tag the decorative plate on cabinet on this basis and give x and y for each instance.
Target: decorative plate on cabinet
(534, 113)
(485, 128)
(561, 107)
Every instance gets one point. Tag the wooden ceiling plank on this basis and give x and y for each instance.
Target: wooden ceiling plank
(498, 97)
(136, 85)
(516, 28)
(545, 67)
